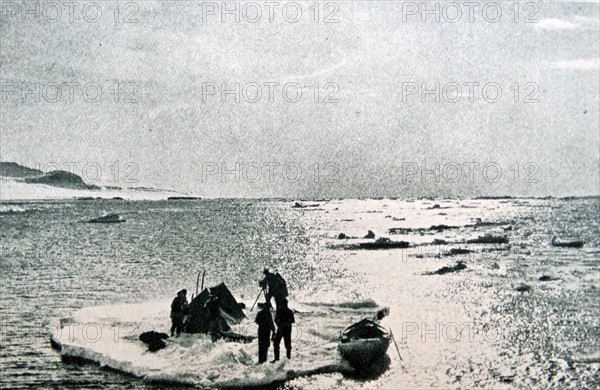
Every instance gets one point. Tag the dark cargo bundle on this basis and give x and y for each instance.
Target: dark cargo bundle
(229, 313)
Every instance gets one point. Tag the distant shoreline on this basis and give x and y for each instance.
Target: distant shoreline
(291, 200)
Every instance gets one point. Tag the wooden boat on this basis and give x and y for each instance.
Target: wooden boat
(364, 343)
(567, 244)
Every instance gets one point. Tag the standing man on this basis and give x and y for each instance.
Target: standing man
(274, 286)
(284, 318)
(213, 314)
(179, 308)
(265, 327)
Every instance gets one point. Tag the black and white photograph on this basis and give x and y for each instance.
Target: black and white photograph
(299, 195)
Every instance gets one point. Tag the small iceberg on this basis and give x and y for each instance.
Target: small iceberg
(457, 251)
(11, 209)
(383, 243)
(459, 266)
(489, 239)
(108, 218)
(298, 205)
(523, 287)
(566, 244)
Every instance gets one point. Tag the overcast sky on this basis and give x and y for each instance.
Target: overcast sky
(372, 130)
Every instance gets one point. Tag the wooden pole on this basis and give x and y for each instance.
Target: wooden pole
(394, 340)
(197, 281)
(254, 304)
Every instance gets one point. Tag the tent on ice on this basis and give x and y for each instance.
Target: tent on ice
(230, 311)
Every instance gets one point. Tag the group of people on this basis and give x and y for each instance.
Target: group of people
(273, 286)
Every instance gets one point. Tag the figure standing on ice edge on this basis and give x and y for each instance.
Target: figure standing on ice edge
(284, 318)
(265, 326)
(179, 308)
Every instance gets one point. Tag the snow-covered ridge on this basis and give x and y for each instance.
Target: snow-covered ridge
(23, 183)
(12, 190)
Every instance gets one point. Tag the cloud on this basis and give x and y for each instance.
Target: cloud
(555, 24)
(579, 64)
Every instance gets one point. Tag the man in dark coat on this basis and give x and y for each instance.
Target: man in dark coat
(265, 327)
(179, 308)
(284, 318)
(274, 286)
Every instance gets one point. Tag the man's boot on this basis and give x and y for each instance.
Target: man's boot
(276, 357)
(276, 353)
(288, 353)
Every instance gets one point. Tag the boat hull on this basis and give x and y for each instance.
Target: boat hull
(363, 353)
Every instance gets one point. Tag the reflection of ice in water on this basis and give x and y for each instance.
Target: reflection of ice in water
(108, 335)
(473, 329)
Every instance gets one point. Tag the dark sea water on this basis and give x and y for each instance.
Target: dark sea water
(54, 264)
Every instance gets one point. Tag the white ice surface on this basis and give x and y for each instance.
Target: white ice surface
(108, 335)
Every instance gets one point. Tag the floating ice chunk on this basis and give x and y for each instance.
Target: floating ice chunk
(108, 335)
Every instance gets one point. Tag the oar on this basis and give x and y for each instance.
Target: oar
(394, 340)
(261, 291)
